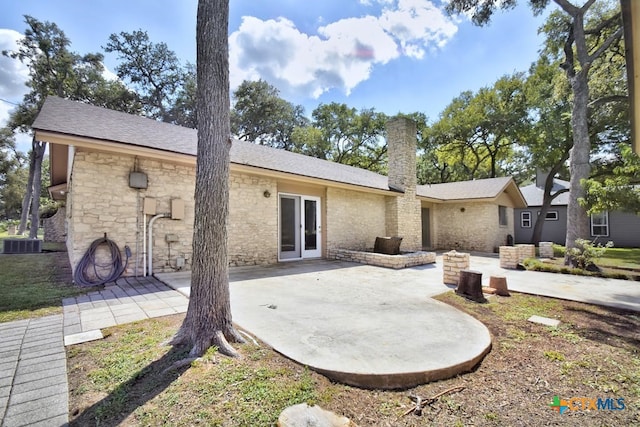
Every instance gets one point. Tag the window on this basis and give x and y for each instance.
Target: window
(550, 216)
(525, 219)
(502, 215)
(600, 224)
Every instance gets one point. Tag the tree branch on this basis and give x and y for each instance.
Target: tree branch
(606, 99)
(608, 42)
(568, 7)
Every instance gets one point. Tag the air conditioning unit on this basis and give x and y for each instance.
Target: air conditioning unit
(22, 246)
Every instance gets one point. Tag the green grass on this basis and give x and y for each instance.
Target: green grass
(33, 285)
(217, 390)
(621, 257)
(617, 263)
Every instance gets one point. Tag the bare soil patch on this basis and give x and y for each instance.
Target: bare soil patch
(595, 353)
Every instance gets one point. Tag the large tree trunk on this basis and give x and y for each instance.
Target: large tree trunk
(38, 150)
(208, 320)
(579, 167)
(26, 202)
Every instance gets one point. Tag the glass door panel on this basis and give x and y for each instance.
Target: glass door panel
(289, 227)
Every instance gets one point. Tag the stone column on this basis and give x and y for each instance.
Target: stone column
(452, 263)
(403, 216)
(509, 256)
(546, 249)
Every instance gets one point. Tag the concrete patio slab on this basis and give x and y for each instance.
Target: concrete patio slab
(361, 325)
(351, 321)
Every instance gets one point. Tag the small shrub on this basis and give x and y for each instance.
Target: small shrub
(585, 253)
(558, 251)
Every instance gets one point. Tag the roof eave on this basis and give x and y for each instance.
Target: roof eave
(116, 147)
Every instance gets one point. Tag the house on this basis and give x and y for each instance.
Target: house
(622, 228)
(133, 178)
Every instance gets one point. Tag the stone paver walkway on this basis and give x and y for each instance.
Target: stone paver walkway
(127, 300)
(33, 373)
(33, 366)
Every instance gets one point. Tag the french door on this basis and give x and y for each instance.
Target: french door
(299, 225)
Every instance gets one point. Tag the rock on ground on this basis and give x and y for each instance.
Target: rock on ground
(303, 415)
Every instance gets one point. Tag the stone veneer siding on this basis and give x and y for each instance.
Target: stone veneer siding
(101, 201)
(509, 257)
(403, 213)
(382, 260)
(55, 227)
(452, 264)
(545, 249)
(471, 226)
(354, 219)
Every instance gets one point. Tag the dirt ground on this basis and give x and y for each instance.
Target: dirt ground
(595, 353)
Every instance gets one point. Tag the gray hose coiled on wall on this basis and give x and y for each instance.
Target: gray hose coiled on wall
(89, 263)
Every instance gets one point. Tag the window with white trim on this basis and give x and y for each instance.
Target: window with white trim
(525, 219)
(550, 216)
(600, 224)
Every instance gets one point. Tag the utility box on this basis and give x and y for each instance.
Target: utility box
(177, 209)
(149, 207)
(138, 180)
(22, 246)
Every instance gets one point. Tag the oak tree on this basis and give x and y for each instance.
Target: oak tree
(208, 319)
(581, 45)
(261, 116)
(55, 70)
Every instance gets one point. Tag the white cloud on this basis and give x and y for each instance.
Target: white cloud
(13, 74)
(342, 54)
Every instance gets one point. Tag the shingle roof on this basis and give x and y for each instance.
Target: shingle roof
(78, 119)
(74, 118)
(465, 190)
(534, 195)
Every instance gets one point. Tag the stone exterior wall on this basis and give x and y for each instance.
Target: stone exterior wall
(100, 201)
(253, 220)
(109, 205)
(471, 226)
(354, 219)
(382, 260)
(55, 227)
(403, 214)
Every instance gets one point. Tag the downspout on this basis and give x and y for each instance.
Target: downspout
(150, 245)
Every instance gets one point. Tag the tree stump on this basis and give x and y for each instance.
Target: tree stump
(387, 245)
(499, 283)
(470, 285)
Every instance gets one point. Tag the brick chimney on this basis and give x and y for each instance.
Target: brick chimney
(403, 216)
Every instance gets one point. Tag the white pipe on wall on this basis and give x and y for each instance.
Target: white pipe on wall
(150, 245)
(144, 244)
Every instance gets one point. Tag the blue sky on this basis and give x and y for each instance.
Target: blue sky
(391, 55)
